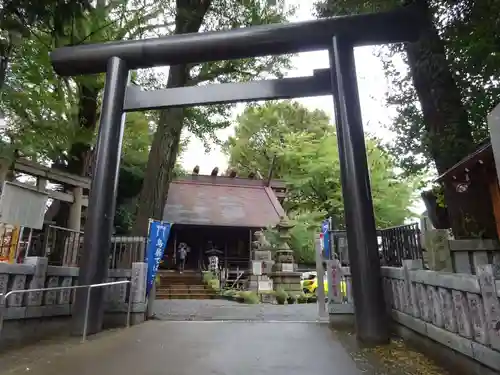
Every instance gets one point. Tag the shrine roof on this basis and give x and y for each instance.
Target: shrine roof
(483, 154)
(221, 201)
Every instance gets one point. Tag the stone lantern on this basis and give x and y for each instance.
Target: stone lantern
(284, 271)
(283, 254)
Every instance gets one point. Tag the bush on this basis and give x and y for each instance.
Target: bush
(208, 277)
(281, 296)
(214, 284)
(229, 293)
(249, 297)
(312, 299)
(291, 299)
(302, 298)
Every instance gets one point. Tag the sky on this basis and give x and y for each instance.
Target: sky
(372, 90)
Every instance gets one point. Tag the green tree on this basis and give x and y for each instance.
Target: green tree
(19, 17)
(73, 114)
(139, 130)
(304, 147)
(443, 97)
(314, 179)
(191, 17)
(259, 126)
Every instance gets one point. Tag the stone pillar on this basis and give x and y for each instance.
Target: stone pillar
(138, 282)
(438, 255)
(138, 292)
(487, 276)
(41, 184)
(75, 213)
(38, 280)
(260, 267)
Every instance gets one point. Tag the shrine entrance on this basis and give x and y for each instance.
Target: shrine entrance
(338, 35)
(233, 244)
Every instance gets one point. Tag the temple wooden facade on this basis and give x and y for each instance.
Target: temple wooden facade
(219, 212)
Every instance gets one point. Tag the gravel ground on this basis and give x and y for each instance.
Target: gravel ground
(200, 310)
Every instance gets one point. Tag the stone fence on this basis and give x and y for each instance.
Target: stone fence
(23, 313)
(461, 312)
(467, 255)
(460, 256)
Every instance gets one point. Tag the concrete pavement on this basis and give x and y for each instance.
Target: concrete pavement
(187, 348)
(182, 310)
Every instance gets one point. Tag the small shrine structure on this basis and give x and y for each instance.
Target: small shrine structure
(219, 212)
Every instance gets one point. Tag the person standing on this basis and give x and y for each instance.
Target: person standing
(182, 258)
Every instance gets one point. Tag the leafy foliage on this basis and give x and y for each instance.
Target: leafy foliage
(304, 147)
(209, 15)
(469, 32)
(261, 126)
(442, 92)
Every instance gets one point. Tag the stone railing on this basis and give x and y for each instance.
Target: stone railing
(459, 311)
(459, 256)
(35, 307)
(467, 255)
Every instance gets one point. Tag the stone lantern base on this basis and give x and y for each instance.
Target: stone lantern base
(288, 281)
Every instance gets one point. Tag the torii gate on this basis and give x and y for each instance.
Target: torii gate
(338, 35)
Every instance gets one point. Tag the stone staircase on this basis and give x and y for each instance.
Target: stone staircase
(188, 285)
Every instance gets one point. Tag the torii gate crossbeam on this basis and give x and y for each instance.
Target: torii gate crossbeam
(337, 35)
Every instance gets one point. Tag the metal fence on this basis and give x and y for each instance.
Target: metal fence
(127, 249)
(4, 298)
(400, 243)
(63, 246)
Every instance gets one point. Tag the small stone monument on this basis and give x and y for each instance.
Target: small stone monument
(260, 267)
(285, 275)
(437, 256)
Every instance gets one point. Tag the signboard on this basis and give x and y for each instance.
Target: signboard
(22, 205)
(158, 234)
(325, 230)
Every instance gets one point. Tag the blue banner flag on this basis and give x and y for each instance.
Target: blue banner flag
(157, 242)
(325, 228)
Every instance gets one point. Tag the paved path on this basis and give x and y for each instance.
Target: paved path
(187, 348)
(181, 310)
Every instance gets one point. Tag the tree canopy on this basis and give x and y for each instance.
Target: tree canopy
(442, 93)
(54, 119)
(301, 146)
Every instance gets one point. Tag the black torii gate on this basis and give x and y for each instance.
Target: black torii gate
(339, 35)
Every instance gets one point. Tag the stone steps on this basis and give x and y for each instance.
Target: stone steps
(185, 293)
(188, 285)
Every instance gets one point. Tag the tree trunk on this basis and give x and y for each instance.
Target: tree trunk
(449, 134)
(165, 147)
(159, 170)
(87, 118)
